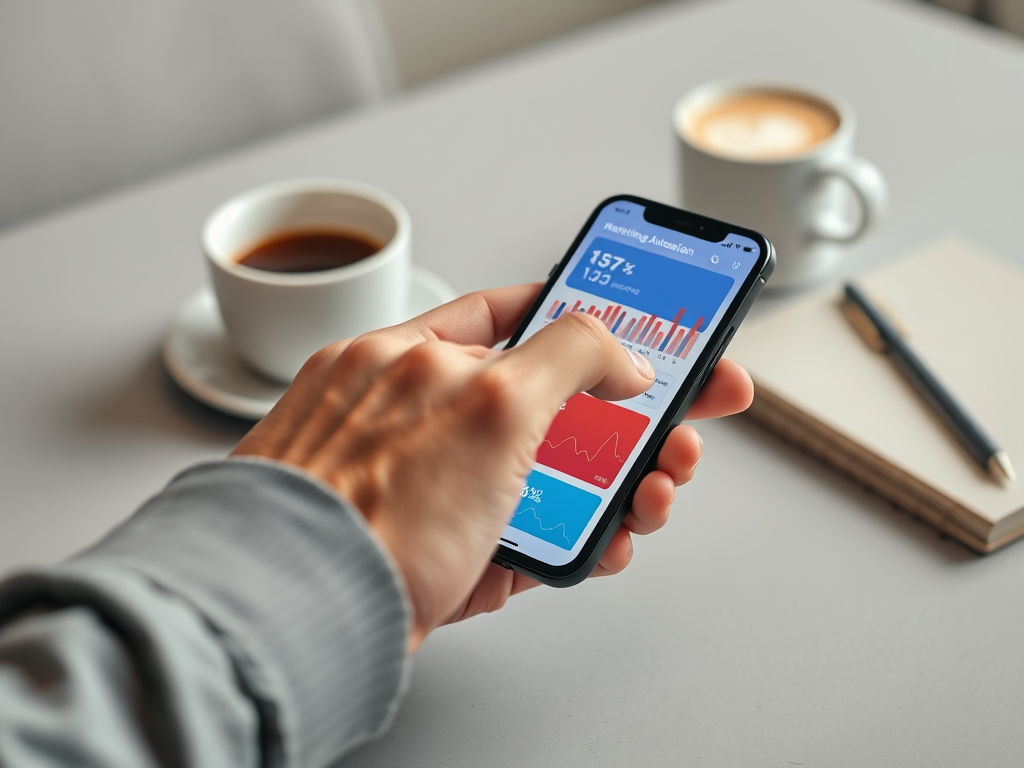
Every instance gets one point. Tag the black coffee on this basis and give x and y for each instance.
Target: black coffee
(310, 251)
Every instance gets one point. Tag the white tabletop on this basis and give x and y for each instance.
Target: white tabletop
(784, 617)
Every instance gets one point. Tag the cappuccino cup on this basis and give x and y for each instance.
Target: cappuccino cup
(779, 159)
(297, 265)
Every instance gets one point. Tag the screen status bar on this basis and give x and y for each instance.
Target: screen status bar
(734, 253)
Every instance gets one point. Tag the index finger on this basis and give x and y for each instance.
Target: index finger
(481, 317)
(575, 353)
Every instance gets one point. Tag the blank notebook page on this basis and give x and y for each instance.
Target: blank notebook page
(964, 313)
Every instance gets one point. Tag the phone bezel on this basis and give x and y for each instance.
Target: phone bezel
(687, 223)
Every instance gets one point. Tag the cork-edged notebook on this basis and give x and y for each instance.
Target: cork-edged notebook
(819, 385)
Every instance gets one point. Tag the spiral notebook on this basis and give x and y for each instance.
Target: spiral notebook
(819, 386)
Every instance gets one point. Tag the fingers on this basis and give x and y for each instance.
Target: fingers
(576, 353)
(651, 503)
(617, 556)
(496, 585)
(680, 453)
(650, 510)
(483, 317)
(677, 462)
(729, 390)
(653, 498)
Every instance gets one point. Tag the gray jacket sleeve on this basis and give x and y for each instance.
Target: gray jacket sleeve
(244, 616)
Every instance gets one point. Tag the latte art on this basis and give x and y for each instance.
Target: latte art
(756, 135)
(766, 125)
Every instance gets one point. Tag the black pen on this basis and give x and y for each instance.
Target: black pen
(886, 338)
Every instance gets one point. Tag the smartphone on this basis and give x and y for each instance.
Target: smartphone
(669, 284)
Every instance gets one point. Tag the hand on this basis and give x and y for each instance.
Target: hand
(430, 434)
(729, 390)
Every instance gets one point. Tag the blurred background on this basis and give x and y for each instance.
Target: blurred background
(96, 96)
(434, 37)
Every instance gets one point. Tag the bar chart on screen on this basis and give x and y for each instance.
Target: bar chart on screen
(674, 338)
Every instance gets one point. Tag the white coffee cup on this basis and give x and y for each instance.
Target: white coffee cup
(778, 158)
(276, 320)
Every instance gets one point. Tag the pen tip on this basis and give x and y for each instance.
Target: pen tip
(999, 465)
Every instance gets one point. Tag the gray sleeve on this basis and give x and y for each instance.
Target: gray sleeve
(244, 616)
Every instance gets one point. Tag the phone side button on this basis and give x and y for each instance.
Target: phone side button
(553, 268)
(705, 375)
(709, 368)
(718, 354)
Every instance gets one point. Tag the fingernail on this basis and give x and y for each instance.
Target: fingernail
(643, 365)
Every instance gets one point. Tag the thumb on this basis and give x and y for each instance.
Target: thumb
(577, 353)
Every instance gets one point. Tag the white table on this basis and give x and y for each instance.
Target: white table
(784, 617)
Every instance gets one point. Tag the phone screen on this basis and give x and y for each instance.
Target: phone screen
(661, 293)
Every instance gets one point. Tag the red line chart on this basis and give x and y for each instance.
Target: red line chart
(582, 452)
(591, 439)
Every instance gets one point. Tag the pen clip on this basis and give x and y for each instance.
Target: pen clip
(866, 329)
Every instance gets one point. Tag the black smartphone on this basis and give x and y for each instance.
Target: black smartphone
(669, 284)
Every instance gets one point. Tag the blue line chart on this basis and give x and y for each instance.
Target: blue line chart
(553, 510)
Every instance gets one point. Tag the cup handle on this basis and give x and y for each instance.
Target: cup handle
(869, 188)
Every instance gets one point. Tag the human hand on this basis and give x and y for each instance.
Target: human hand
(728, 390)
(430, 434)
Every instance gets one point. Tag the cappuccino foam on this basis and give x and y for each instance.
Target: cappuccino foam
(761, 125)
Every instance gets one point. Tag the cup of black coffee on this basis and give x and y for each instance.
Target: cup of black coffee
(299, 264)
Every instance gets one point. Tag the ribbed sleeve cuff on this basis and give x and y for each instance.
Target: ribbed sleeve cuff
(303, 596)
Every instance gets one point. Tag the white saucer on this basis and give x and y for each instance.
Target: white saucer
(200, 359)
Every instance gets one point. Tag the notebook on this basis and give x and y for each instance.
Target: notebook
(819, 386)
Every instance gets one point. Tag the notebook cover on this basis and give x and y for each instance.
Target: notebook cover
(819, 385)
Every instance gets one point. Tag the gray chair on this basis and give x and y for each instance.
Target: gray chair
(1008, 14)
(95, 94)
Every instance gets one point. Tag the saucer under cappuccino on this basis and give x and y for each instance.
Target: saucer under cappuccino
(761, 125)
